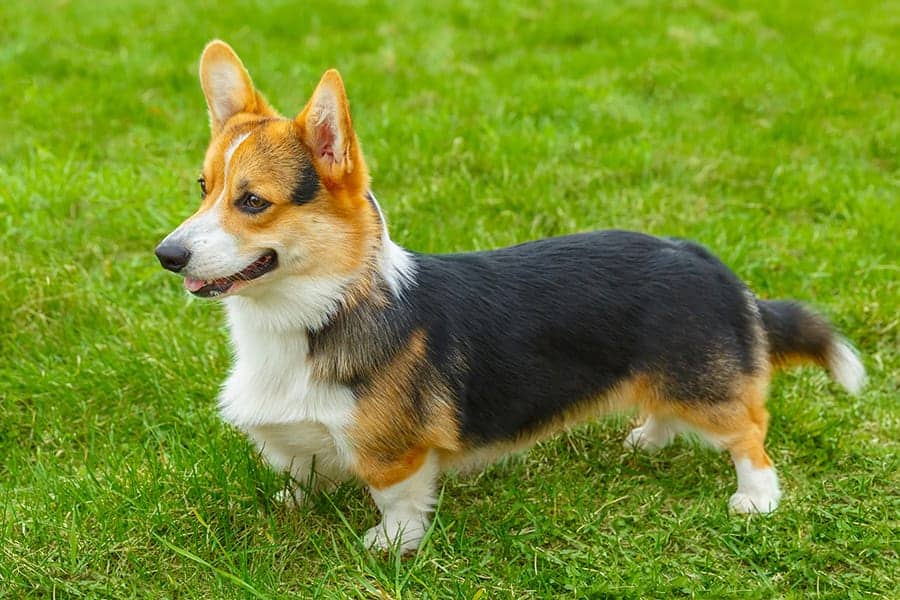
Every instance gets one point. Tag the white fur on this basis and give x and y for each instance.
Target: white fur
(758, 490)
(232, 148)
(325, 113)
(214, 252)
(845, 366)
(654, 434)
(405, 508)
(271, 381)
(395, 263)
(397, 267)
(271, 394)
(227, 92)
(306, 450)
(283, 305)
(299, 424)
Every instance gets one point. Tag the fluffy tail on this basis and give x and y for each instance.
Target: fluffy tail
(799, 335)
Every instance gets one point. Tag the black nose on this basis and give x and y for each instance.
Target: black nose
(173, 256)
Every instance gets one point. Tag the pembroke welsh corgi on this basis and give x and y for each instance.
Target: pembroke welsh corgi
(358, 359)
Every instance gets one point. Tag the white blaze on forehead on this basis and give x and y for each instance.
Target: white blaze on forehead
(232, 148)
(229, 152)
(214, 251)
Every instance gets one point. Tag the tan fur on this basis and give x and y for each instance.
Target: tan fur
(787, 361)
(738, 424)
(624, 395)
(391, 435)
(345, 173)
(338, 232)
(244, 99)
(404, 411)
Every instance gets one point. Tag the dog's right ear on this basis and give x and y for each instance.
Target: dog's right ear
(326, 129)
(227, 86)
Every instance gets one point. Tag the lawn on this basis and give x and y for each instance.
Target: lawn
(768, 131)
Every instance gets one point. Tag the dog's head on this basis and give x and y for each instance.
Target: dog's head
(281, 197)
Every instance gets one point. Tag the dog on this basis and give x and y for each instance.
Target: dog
(355, 358)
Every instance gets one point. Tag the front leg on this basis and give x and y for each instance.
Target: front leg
(404, 490)
(305, 450)
(304, 480)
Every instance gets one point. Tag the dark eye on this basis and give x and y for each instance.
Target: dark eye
(202, 182)
(252, 204)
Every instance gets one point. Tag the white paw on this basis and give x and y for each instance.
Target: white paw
(758, 490)
(635, 440)
(404, 537)
(291, 498)
(648, 438)
(747, 504)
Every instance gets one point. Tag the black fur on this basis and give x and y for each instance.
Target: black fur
(793, 329)
(306, 187)
(545, 325)
(520, 334)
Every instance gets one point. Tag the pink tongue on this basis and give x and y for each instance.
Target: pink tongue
(192, 285)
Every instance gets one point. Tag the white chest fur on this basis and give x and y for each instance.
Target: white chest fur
(271, 393)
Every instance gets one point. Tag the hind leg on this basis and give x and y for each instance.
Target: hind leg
(655, 433)
(758, 490)
(740, 427)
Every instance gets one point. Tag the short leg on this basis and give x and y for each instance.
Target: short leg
(306, 451)
(405, 494)
(308, 476)
(654, 434)
(740, 426)
(758, 490)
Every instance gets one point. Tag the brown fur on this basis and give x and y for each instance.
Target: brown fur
(789, 360)
(243, 99)
(344, 174)
(337, 231)
(404, 409)
(739, 424)
(401, 414)
(626, 394)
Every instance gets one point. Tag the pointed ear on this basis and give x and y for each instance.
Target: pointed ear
(325, 128)
(227, 85)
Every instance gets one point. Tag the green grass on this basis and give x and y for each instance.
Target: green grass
(768, 131)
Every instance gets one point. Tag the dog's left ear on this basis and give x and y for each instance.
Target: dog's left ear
(325, 128)
(227, 86)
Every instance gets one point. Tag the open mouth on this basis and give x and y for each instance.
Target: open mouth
(210, 288)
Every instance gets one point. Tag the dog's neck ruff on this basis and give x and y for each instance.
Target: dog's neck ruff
(395, 266)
